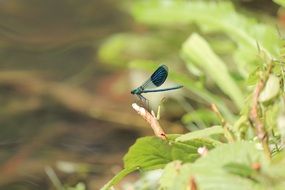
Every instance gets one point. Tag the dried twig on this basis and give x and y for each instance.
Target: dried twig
(254, 116)
(192, 184)
(152, 120)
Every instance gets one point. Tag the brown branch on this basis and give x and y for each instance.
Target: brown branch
(254, 116)
(152, 120)
(192, 184)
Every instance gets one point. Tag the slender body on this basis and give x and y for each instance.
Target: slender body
(157, 79)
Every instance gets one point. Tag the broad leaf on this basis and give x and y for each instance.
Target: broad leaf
(216, 170)
(177, 176)
(148, 153)
(201, 133)
(239, 152)
(174, 177)
(242, 170)
(152, 152)
(187, 151)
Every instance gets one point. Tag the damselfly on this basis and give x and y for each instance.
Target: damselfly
(156, 79)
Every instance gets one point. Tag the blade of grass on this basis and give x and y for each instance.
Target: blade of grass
(199, 51)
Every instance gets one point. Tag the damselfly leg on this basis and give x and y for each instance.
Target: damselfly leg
(144, 100)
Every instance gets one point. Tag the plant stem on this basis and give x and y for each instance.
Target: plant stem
(229, 136)
(254, 116)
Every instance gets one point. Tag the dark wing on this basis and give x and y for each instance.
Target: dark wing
(157, 78)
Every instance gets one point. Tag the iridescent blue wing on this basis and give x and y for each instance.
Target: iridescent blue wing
(157, 78)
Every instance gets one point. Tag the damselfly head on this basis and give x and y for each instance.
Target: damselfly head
(135, 91)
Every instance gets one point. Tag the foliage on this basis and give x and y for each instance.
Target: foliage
(212, 66)
(229, 57)
(217, 170)
(79, 186)
(280, 2)
(150, 153)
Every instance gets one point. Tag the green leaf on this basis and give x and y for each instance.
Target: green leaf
(148, 153)
(153, 153)
(239, 152)
(177, 176)
(220, 17)
(199, 51)
(239, 169)
(79, 186)
(273, 117)
(208, 172)
(201, 116)
(277, 168)
(281, 120)
(187, 151)
(122, 48)
(203, 93)
(271, 89)
(253, 77)
(219, 179)
(112, 50)
(173, 176)
(280, 2)
(201, 133)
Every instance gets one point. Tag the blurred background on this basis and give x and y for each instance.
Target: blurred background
(67, 69)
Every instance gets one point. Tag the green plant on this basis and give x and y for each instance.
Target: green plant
(244, 151)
